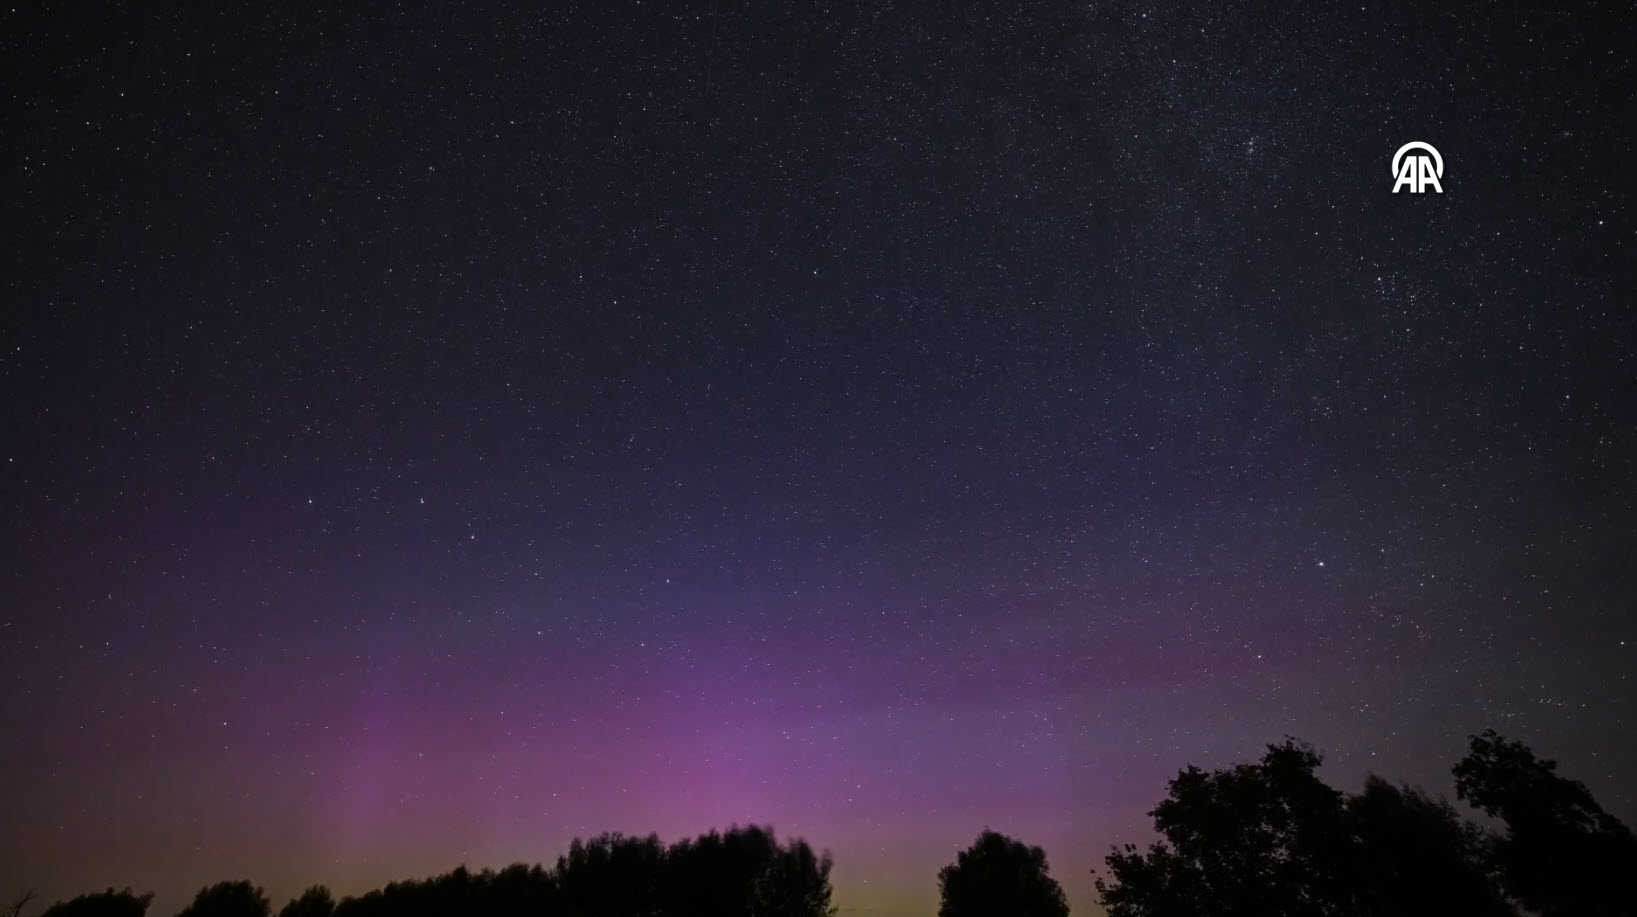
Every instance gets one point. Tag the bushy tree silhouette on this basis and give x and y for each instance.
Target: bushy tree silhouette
(1418, 858)
(1561, 854)
(521, 890)
(1272, 840)
(793, 882)
(229, 899)
(102, 904)
(314, 902)
(745, 873)
(1258, 840)
(611, 874)
(999, 877)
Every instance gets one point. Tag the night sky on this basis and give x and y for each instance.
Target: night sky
(432, 435)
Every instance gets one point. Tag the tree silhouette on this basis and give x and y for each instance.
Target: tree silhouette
(521, 890)
(745, 872)
(102, 904)
(793, 882)
(314, 902)
(229, 899)
(1561, 855)
(611, 874)
(459, 891)
(1418, 858)
(1266, 839)
(22, 900)
(515, 891)
(999, 877)
(1259, 840)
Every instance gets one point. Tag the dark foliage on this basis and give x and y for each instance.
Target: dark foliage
(612, 874)
(102, 904)
(1418, 858)
(314, 902)
(1272, 840)
(1561, 854)
(516, 890)
(1267, 839)
(999, 877)
(744, 872)
(229, 899)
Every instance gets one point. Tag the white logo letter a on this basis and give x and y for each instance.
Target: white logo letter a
(1406, 175)
(1427, 175)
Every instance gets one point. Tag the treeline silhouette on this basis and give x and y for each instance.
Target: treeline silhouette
(1261, 839)
(744, 871)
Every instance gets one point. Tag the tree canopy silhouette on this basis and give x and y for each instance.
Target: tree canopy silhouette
(999, 877)
(1418, 858)
(314, 902)
(614, 873)
(229, 899)
(516, 890)
(1265, 839)
(1271, 839)
(102, 904)
(744, 872)
(1561, 854)
(1262, 839)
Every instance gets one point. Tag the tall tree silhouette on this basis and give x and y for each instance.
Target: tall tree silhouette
(1258, 840)
(229, 899)
(746, 873)
(521, 890)
(1418, 858)
(999, 877)
(793, 882)
(611, 874)
(1561, 855)
(314, 902)
(102, 904)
